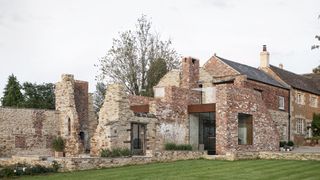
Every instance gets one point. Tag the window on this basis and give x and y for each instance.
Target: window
(281, 102)
(300, 98)
(245, 134)
(313, 101)
(69, 126)
(300, 126)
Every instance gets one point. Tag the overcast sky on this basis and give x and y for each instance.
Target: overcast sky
(42, 39)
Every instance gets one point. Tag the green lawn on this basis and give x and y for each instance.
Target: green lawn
(202, 169)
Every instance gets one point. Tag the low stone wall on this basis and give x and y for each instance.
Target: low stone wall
(290, 156)
(73, 164)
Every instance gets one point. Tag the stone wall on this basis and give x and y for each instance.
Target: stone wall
(75, 164)
(281, 120)
(69, 118)
(27, 131)
(139, 100)
(172, 78)
(231, 101)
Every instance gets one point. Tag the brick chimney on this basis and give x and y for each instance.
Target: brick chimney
(264, 57)
(190, 72)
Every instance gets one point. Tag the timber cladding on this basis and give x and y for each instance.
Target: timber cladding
(197, 108)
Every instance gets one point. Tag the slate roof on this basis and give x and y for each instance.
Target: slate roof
(253, 73)
(297, 81)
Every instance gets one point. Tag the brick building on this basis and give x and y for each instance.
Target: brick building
(304, 97)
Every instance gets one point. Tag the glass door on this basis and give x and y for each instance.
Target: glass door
(138, 138)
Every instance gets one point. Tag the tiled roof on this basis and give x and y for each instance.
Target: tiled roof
(297, 81)
(253, 73)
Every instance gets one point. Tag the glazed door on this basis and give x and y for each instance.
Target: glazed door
(138, 138)
(208, 132)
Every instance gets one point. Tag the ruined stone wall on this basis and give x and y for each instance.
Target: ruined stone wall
(27, 131)
(139, 100)
(68, 114)
(172, 113)
(113, 121)
(172, 78)
(231, 101)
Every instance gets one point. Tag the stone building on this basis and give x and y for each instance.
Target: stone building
(223, 107)
(304, 97)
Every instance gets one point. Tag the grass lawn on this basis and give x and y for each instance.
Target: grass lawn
(202, 169)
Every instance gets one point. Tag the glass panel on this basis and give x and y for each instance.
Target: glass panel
(245, 129)
(137, 138)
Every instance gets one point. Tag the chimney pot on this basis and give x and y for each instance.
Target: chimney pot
(264, 48)
(281, 65)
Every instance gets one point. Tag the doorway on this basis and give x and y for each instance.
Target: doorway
(138, 132)
(207, 132)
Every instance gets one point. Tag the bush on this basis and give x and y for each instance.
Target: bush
(58, 144)
(24, 169)
(170, 146)
(116, 152)
(177, 147)
(290, 143)
(283, 143)
(315, 125)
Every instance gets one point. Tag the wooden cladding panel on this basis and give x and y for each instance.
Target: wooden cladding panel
(197, 108)
(140, 108)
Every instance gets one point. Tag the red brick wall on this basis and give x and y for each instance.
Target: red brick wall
(81, 101)
(139, 100)
(190, 73)
(233, 100)
(270, 94)
(217, 68)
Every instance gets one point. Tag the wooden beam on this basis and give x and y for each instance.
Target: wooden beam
(198, 108)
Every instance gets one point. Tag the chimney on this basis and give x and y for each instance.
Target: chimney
(264, 57)
(281, 66)
(190, 73)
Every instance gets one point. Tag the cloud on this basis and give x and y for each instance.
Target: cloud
(217, 3)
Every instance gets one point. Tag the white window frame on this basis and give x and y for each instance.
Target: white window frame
(300, 126)
(281, 102)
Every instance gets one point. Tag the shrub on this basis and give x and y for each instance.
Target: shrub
(24, 169)
(170, 146)
(177, 147)
(58, 144)
(116, 152)
(290, 143)
(283, 143)
(315, 125)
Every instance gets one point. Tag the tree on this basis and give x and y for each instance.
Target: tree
(129, 58)
(316, 70)
(316, 46)
(12, 96)
(38, 96)
(157, 70)
(315, 125)
(99, 96)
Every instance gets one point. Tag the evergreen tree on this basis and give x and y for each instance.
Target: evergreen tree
(39, 96)
(157, 70)
(12, 96)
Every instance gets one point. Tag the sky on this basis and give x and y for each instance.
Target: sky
(42, 39)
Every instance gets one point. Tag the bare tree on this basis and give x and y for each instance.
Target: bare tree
(129, 58)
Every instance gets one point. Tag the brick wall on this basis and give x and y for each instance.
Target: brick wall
(27, 131)
(233, 100)
(216, 68)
